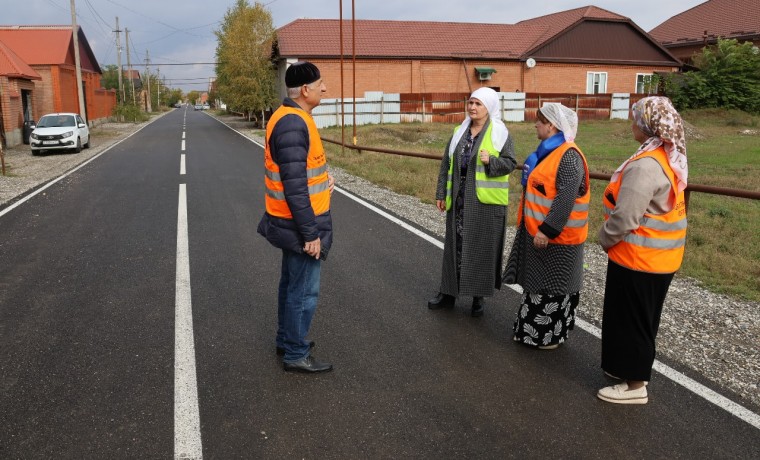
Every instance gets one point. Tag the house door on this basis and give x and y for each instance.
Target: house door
(26, 104)
(26, 107)
(84, 96)
(3, 142)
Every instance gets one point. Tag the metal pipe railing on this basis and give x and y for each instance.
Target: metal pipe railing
(723, 191)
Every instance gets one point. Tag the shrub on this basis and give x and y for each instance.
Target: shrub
(728, 77)
(130, 112)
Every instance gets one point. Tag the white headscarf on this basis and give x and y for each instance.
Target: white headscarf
(563, 118)
(657, 118)
(499, 132)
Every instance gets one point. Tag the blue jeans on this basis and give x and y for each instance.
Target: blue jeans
(296, 303)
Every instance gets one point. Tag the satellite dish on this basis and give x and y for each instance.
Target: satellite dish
(530, 63)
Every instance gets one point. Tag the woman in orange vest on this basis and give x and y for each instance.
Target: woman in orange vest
(644, 235)
(552, 223)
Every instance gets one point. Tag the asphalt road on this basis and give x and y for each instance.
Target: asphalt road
(93, 352)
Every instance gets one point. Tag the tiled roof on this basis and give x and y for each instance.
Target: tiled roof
(132, 74)
(38, 45)
(375, 38)
(13, 66)
(720, 18)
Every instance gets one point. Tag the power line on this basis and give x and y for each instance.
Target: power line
(97, 16)
(187, 79)
(155, 20)
(179, 63)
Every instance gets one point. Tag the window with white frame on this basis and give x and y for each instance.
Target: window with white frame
(596, 82)
(645, 83)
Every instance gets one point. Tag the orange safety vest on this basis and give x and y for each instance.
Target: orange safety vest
(657, 245)
(316, 169)
(537, 204)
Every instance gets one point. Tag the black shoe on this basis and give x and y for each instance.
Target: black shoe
(441, 301)
(281, 351)
(308, 364)
(478, 307)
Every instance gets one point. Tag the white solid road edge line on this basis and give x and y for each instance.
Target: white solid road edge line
(392, 218)
(686, 382)
(66, 174)
(187, 431)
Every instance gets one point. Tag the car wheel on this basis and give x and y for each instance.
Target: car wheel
(87, 144)
(79, 145)
(36, 152)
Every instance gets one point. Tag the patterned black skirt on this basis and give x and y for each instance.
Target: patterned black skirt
(545, 319)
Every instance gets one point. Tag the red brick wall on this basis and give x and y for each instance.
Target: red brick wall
(10, 103)
(57, 92)
(43, 92)
(405, 76)
(12, 108)
(68, 98)
(101, 104)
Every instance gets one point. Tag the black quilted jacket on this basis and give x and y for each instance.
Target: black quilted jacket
(289, 145)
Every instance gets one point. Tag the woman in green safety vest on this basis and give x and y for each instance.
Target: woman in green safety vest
(473, 191)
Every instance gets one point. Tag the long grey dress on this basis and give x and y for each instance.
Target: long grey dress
(483, 224)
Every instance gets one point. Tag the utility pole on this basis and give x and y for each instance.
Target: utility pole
(129, 65)
(148, 106)
(118, 59)
(158, 88)
(75, 33)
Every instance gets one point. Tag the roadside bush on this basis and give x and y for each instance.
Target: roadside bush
(728, 77)
(129, 112)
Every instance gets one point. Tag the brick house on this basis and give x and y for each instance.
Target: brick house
(584, 51)
(685, 34)
(17, 82)
(49, 52)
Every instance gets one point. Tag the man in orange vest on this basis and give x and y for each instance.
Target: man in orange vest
(297, 218)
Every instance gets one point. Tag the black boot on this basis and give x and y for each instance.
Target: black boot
(441, 301)
(478, 307)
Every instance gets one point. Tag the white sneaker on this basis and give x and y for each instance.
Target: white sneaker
(620, 394)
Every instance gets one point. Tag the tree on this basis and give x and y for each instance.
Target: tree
(245, 74)
(728, 77)
(110, 77)
(174, 96)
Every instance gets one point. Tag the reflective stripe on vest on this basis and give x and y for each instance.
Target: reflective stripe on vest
(489, 190)
(316, 169)
(657, 245)
(535, 206)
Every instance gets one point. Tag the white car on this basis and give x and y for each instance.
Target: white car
(59, 131)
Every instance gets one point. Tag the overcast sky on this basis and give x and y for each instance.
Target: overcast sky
(181, 31)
